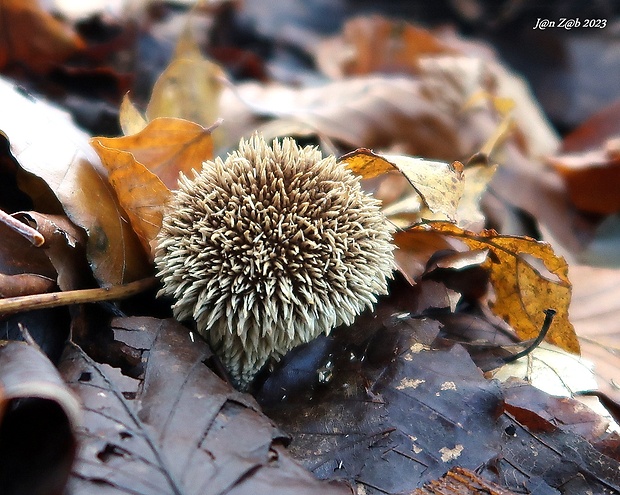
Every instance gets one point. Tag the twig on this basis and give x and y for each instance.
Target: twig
(549, 314)
(33, 235)
(55, 299)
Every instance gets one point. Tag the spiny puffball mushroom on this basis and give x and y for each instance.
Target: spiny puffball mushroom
(270, 248)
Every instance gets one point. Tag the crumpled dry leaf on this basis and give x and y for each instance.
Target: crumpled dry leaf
(372, 111)
(527, 278)
(177, 427)
(59, 170)
(439, 185)
(32, 36)
(64, 246)
(38, 418)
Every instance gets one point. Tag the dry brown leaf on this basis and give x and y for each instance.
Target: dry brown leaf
(592, 177)
(376, 44)
(189, 88)
(33, 37)
(373, 112)
(527, 277)
(595, 312)
(38, 419)
(439, 184)
(140, 192)
(61, 171)
(166, 147)
(414, 251)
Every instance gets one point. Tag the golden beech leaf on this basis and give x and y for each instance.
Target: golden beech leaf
(526, 275)
(439, 184)
(140, 192)
(166, 147)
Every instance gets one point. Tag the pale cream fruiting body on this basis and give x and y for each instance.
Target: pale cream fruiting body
(270, 248)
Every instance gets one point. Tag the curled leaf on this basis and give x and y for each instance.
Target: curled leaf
(440, 185)
(527, 277)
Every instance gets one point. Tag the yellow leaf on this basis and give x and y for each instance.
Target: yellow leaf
(167, 147)
(439, 184)
(132, 121)
(527, 278)
(188, 89)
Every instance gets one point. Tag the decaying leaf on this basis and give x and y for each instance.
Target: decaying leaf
(527, 278)
(176, 428)
(59, 170)
(439, 184)
(64, 246)
(38, 419)
(595, 311)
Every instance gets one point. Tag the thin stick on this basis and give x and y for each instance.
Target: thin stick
(33, 235)
(549, 314)
(19, 304)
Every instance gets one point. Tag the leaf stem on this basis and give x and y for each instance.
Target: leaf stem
(549, 314)
(19, 304)
(33, 235)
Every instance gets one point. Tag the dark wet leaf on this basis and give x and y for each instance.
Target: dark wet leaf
(388, 415)
(38, 414)
(176, 428)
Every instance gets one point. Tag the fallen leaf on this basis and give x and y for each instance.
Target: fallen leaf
(176, 428)
(65, 248)
(439, 184)
(372, 111)
(527, 278)
(53, 43)
(166, 147)
(595, 311)
(131, 120)
(542, 412)
(38, 419)
(140, 192)
(381, 410)
(591, 177)
(461, 481)
(60, 171)
(376, 44)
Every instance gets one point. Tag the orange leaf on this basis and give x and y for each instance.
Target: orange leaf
(142, 195)
(32, 36)
(592, 177)
(527, 278)
(377, 44)
(167, 147)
